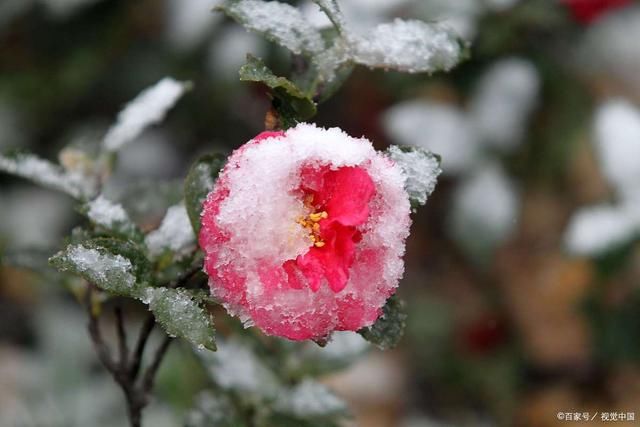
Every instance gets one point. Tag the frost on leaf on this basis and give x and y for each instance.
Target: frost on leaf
(420, 168)
(597, 229)
(148, 108)
(174, 234)
(235, 366)
(389, 328)
(279, 22)
(199, 183)
(107, 263)
(310, 399)
(180, 315)
(47, 174)
(411, 46)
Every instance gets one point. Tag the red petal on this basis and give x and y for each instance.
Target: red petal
(347, 192)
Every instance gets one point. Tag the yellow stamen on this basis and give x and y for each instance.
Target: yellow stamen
(319, 244)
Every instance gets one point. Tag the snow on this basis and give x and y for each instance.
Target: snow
(148, 108)
(310, 399)
(47, 174)
(106, 213)
(411, 46)
(485, 208)
(438, 127)
(175, 233)
(421, 170)
(595, 229)
(234, 366)
(229, 50)
(114, 271)
(503, 100)
(279, 22)
(188, 22)
(617, 141)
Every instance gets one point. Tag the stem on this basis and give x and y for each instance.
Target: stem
(126, 372)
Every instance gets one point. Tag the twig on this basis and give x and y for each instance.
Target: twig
(96, 335)
(145, 332)
(150, 374)
(122, 338)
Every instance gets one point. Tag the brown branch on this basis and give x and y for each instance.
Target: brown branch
(150, 374)
(122, 338)
(96, 335)
(145, 332)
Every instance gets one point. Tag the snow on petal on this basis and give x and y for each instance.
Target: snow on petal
(148, 108)
(175, 233)
(440, 128)
(504, 98)
(275, 257)
(617, 140)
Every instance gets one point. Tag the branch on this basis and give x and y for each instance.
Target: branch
(96, 335)
(122, 338)
(145, 332)
(150, 374)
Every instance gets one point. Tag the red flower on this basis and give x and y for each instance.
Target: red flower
(588, 11)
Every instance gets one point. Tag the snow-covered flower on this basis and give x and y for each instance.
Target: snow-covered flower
(304, 232)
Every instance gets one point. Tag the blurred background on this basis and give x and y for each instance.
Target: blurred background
(522, 271)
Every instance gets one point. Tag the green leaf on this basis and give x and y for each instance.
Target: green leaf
(199, 183)
(389, 328)
(293, 103)
(113, 265)
(179, 314)
(278, 22)
(421, 169)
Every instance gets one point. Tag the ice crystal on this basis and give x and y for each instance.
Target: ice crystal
(101, 267)
(421, 170)
(106, 213)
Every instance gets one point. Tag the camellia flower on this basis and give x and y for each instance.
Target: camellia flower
(305, 231)
(588, 11)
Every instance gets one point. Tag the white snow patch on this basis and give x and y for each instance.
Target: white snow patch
(504, 98)
(106, 213)
(48, 174)
(421, 170)
(148, 108)
(102, 268)
(188, 22)
(175, 233)
(617, 139)
(440, 128)
(310, 399)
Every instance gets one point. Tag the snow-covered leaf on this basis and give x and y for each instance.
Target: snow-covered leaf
(421, 169)
(293, 101)
(111, 216)
(148, 108)
(235, 366)
(310, 399)
(48, 174)
(617, 141)
(597, 229)
(113, 265)
(180, 315)
(174, 234)
(438, 127)
(213, 410)
(332, 10)
(199, 183)
(278, 22)
(389, 328)
(411, 46)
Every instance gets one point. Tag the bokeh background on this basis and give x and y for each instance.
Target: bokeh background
(522, 271)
